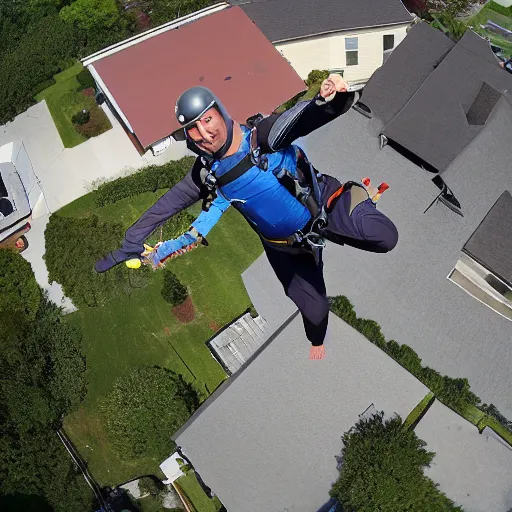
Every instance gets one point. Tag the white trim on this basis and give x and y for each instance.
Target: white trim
(472, 276)
(152, 33)
(108, 94)
(351, 29)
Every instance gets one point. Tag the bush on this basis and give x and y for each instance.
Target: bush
(72, 247)
(148, 485)
(173, 291)
(85, 79)
(316, 76)
(145, 408)
(97, 124)
(81, 117)
(148, 179)
(19, 290)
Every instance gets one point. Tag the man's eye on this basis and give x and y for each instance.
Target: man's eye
(207, 119)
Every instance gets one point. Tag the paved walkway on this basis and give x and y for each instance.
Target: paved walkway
(65, 174)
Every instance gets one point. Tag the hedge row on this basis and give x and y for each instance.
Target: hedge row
(148, 179)
(501, 9)
(454, 393)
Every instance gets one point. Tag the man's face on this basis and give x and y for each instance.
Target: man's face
(210, 132)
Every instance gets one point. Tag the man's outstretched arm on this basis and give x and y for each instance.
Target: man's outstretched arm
(181, 196)
(280, 130)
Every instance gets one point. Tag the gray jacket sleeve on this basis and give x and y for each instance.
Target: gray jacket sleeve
(278, 131)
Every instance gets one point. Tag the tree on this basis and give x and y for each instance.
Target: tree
(451, 7)
(382, 469)
(90, 15)
(168, 10)
(172, 290)
(42, 379)
(19, 291)
(145, 408)
(45, 48)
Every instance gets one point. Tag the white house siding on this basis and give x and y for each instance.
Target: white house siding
(328, 51)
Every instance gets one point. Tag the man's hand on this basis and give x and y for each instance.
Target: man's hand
(317, 352)
(332, 84)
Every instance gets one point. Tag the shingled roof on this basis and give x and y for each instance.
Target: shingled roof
(284, 20)
(491, 243)
(434, 97)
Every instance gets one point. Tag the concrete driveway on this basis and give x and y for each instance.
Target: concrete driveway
(64, 174)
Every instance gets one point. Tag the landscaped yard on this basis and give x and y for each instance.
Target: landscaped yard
(140, 329)
(189, 485)
(482, 17)
(64, 100)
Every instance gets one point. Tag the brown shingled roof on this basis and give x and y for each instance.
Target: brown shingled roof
(224, 51)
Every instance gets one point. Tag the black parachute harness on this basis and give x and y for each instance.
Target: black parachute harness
(305, 189)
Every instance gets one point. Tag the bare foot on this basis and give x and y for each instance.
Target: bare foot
(317, 352)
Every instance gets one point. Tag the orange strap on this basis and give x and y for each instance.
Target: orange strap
(335, 195)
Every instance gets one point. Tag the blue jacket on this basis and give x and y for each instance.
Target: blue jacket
(279, 214)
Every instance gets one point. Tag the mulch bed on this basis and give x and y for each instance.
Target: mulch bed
(88, 92)
(185, 312)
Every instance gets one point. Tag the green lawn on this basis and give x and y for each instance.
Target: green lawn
(140, 329)
(64, 100)
(481, 18)
(189, 485)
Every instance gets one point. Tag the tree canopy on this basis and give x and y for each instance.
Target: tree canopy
(382, 469)
(145, 408)
(42, 378)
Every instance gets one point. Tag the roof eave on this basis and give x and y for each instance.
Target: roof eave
(327, 32)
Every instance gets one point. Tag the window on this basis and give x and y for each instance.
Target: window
(351, 51)
(388, 43)
(482, 285)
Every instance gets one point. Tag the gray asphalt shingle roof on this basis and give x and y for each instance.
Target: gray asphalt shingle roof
(282, 20)
(407, 291)
(491, 243)
(472, 469)
(450, 106)
(404, 67)
(266, 441)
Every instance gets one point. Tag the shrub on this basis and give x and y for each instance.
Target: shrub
(316, 76)
(148, 485)
(85, 79)
(145, 408)
(72, 247)
(97, 124)
(81, 117)
(19, 290)
(147, 179)
(173, 291)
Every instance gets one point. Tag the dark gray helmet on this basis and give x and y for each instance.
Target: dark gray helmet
(191, 106)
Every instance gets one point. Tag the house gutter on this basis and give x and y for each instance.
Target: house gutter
(316, 34)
